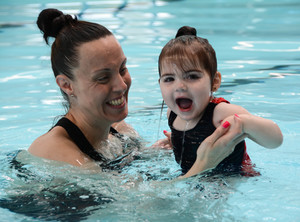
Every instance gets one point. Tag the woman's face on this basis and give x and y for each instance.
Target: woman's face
(102, 81)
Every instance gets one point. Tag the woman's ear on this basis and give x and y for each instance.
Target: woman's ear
(216, 81)
(65, 84)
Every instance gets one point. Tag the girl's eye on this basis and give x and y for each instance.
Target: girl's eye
(193, 76)
(167, 79)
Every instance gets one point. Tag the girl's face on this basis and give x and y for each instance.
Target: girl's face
(186, 92)
(102, 81)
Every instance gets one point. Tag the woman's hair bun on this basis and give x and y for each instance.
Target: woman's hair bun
(51, 21)
(186, 30)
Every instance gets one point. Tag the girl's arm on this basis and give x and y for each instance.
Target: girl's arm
(262, 131)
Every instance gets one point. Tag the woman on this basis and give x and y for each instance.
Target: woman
(90, 69)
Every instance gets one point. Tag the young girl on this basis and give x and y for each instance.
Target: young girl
(188, 77)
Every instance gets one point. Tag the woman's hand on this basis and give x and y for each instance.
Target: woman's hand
(217, 146)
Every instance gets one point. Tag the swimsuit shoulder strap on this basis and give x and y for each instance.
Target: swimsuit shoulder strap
(171, 119)
(79, 139)
(208, 115)
(115, 133)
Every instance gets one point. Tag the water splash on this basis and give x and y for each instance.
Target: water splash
(182, 144)
(160, 117)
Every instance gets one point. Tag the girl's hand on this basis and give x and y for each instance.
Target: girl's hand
(164, 143)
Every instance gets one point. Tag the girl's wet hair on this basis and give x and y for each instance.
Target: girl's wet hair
(186, 30)
(188, 49)
(69, 34)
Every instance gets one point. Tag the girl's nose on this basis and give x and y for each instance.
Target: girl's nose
(181, 86)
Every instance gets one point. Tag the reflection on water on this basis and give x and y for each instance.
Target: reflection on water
(292, 69)
(43, 194)
(34, 190)
(9, 25)
(51, 205)
(268, 46)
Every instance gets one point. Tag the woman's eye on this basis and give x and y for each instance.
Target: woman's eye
(123, 71)
(103, 79)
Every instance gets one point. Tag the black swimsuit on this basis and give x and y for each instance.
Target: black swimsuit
(84, 145)
(185, 144)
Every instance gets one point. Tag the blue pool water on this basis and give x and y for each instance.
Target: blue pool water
(258, 49)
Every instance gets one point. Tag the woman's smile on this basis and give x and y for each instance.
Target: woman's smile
(117, 103)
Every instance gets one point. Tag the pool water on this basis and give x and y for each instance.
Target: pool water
(258, 50)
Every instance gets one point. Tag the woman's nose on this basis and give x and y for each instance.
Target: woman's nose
(120, 84)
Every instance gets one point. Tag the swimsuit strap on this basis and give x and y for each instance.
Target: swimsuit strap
(80, 140)
(208, 113)
(115, 133)
(172, 118)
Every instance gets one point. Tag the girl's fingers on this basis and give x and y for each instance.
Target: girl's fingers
(167, 134)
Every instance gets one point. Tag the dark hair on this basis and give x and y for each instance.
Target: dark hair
(188, 47)
(69, 34)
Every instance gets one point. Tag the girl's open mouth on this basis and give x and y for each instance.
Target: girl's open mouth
(184, 104)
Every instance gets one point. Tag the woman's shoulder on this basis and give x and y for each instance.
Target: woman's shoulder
(56, 145)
